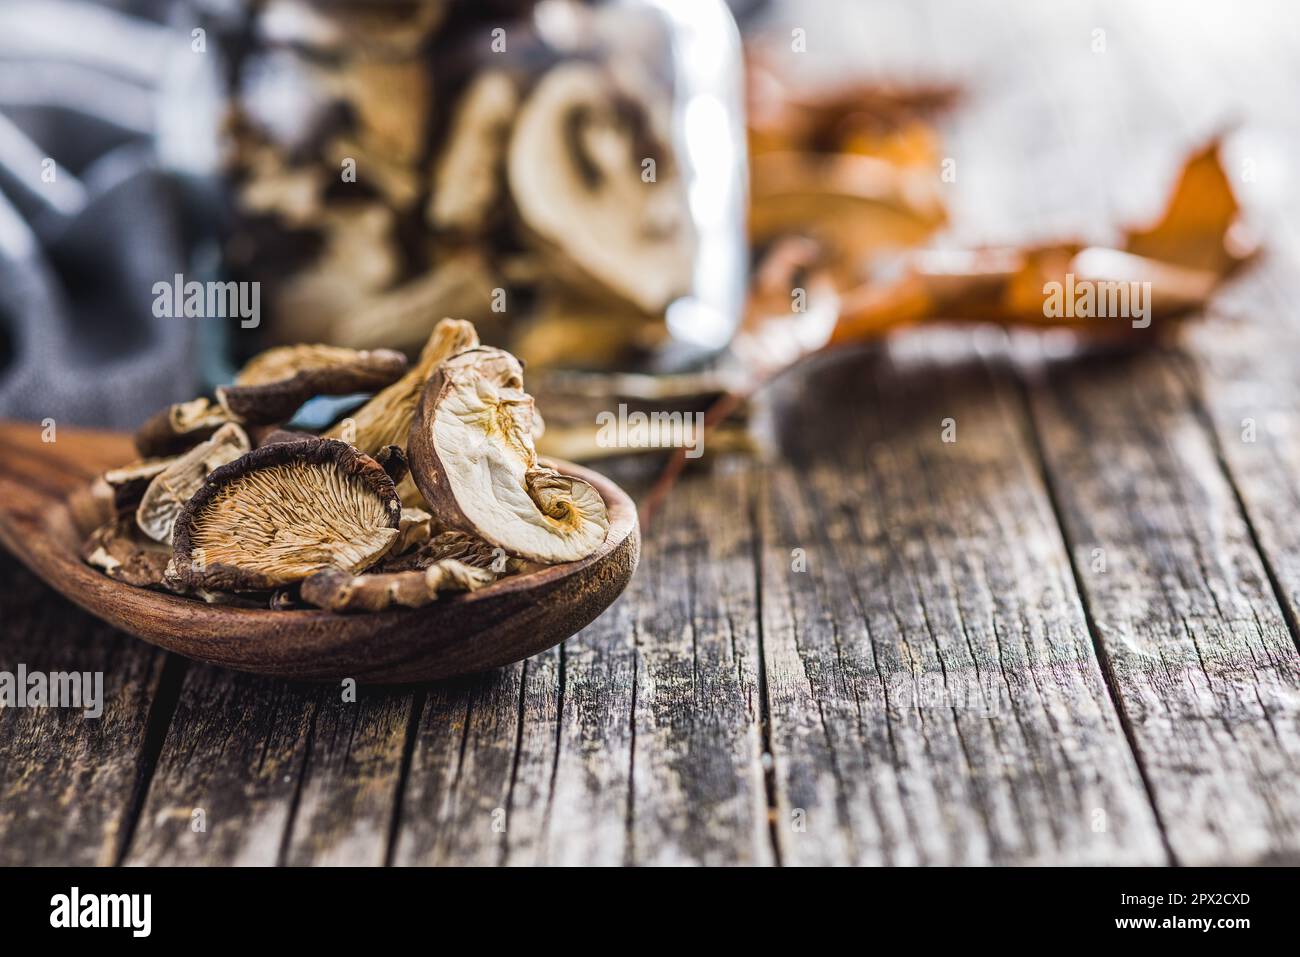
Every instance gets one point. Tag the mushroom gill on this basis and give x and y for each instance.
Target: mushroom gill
(284, 512)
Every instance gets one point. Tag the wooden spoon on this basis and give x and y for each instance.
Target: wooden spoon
(46, 511)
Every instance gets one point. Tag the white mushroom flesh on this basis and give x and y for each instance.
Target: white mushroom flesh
(576, 177)
(483, 438)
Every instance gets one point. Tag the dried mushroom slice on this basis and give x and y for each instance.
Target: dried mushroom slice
(126, 485)
(467, 177)
(386, 419)
(120, 552)
(457, 284)
(339, 591)
(359, 256)
(413, 530)
(275, 383)
(270, 186)
(575, 165)
(174, 486)
(282, 513)
(178, 427)
(461, 546)
(391, 100)
(473, 458)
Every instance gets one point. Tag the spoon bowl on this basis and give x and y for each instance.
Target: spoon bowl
(46, 510)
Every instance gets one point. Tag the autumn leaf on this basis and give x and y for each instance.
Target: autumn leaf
(1174, 265)
(1193, 231)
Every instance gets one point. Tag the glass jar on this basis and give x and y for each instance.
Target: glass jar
(570, 176)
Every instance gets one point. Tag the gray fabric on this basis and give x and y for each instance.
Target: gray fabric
(79, 256)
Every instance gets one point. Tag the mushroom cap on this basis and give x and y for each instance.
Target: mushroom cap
(178, 427)
(122, 553)
(574, 167)
(171, 488)
(473, 458)
(338, 591)
(386, 418)
(454, 544)
(272, 386)
(126, 485)
(468, 173)
(283, 512)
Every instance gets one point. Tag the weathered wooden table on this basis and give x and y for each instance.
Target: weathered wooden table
(1069, 636)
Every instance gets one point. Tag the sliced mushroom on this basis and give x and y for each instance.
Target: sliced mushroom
(386, 419)
(473, 458)
(395, 179)
(392, 103)
(178, 427)
(120, 552)
(359, 258)
(338, 591)
(272, 187)
(174, 486)
(467, 178)
(459, 284)
(282, 513)
(414, 530)
(126, 485)
(461, 546)
(272, 386)
(575, 166)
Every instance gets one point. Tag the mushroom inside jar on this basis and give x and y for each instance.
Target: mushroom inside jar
(576, 165)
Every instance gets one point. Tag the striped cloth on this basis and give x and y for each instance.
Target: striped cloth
(92, 211)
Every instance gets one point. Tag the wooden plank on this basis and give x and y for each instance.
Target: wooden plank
(934, 692)
(454, 807)
(260, 771)
(1197, 646)
(1244, 370)
(1198, 649)
(222, 792)
(638, 741)
(68, 783)
(351, 782)
(582, 779)
(698, 792)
